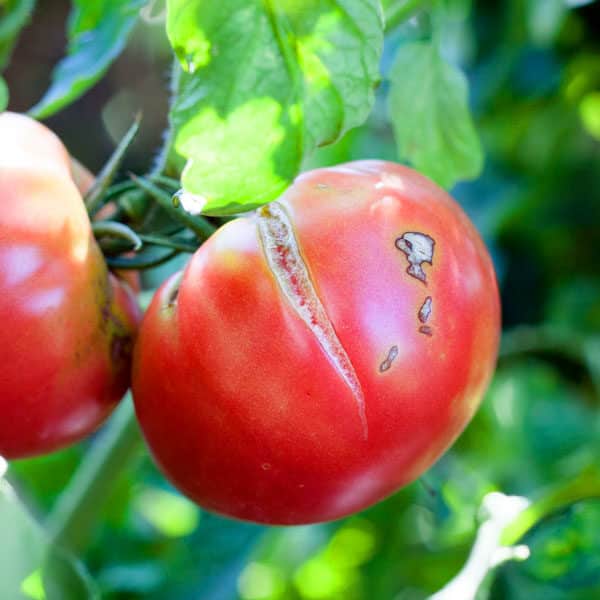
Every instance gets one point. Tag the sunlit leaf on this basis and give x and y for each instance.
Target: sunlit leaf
(97, 32)
(428, 105)
(265, 84)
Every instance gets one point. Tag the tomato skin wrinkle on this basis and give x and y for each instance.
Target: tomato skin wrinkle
(69, 325)
(283, 331)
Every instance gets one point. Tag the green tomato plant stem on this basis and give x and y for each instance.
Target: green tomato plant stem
(76, 512)
(95, 196)
(119, 231)
(198, 224)
(402, 11)
(140, 263)
(506, 519)
(585, 486)
(168, 242)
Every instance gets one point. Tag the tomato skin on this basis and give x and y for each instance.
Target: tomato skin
(241, 405)
(68, 325)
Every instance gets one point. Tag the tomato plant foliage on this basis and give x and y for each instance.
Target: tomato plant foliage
(265, 83)
(428, 103)
(97, 34)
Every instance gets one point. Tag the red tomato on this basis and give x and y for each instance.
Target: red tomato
(318, 355)
(68, 326)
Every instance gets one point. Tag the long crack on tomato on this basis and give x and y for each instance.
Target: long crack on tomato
(291, 273)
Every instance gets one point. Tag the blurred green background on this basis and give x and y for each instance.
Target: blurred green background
(534, 75)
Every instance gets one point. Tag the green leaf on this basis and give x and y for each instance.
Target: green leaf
(428, 106)
(31, 568)
(3, 95)
(266, 82)
(14, 15)
(97, 32)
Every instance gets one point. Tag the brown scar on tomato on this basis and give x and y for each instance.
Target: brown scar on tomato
(387, 363)
(426, 330)
(172, 301)
(418, 248)
(170, 293)
(425, 310)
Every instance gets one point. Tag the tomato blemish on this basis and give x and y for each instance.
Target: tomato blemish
(387, 363)
(418, 248)
(283, 256)
(425, 310)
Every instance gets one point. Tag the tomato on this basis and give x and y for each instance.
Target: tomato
(322, 352)
(68, 325)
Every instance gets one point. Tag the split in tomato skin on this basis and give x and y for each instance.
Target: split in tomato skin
(68, 324)
(316, 356)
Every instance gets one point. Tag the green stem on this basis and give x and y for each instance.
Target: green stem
(199, 225)
(586, 485)
(169, 182)
(117, 189)
(76, 511)
(139, 263)
(508, 519)
(167, 242)
(119, 231)
(400, 12)
(94, 198)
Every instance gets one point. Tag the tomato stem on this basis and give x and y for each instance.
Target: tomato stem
(140, 262)
(76, 511)
(94, 198)
(509, 518)
(199, 225)
(585, 486)
(116, 230)
(168, 242)
(402, 11)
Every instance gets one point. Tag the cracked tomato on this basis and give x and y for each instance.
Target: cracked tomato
(68, 325)
(321, 353)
